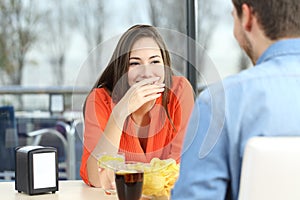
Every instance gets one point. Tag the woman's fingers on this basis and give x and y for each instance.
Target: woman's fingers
(107, 179)
(139, 98)
(141, 93)
(150, 89)
(147, 81)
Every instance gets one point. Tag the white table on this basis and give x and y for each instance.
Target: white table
(73, 190)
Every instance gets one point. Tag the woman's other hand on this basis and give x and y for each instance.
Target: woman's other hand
(107, 180)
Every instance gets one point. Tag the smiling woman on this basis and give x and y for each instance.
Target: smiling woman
(135, 107)
(145, 62)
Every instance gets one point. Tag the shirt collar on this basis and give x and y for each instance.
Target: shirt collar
(282, 47)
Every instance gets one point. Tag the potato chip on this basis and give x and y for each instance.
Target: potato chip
(160, 177)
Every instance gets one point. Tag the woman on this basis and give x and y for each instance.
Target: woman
(136, 106)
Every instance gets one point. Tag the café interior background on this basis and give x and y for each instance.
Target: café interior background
(48, 42)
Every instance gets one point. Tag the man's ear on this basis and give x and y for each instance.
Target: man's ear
(247, 17)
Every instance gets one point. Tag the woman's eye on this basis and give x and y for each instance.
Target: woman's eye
(155, 62)
(134, 63)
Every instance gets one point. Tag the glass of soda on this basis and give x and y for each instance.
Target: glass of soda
(129, 182)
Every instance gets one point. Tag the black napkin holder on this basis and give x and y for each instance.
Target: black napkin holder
(36, 170)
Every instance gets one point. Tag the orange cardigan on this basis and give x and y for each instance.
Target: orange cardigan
(163, 140)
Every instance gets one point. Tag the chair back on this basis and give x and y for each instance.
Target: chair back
(271, 169)
(77, 133)
(8, 139)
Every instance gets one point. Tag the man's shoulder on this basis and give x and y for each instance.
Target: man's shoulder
(243, 76)
(247, 79)
(236, 83)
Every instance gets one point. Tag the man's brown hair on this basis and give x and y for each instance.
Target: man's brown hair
(278, 18)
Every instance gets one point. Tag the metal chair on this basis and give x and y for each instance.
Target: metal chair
(72, 145)
(52, 136)
(8, 142)
(270, 169)
(75, 140)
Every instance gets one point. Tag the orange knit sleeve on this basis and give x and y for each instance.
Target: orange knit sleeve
(97, 112)
(184, 94)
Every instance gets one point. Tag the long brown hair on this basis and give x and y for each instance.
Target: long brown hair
(119, 64)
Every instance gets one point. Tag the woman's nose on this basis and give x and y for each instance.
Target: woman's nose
(146, 71)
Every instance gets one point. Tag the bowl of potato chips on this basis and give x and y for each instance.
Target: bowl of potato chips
(159, 176)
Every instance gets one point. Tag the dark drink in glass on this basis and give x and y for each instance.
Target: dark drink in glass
(129, 184)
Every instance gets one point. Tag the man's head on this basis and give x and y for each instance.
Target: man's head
(278, 18)
(258, 23)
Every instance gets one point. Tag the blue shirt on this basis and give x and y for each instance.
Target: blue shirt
(261, 101)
